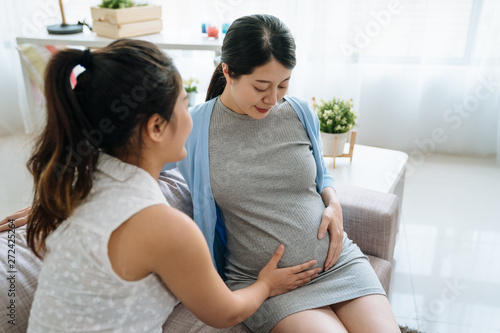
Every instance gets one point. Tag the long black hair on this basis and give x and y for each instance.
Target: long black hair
(250, 42)
(124, 84)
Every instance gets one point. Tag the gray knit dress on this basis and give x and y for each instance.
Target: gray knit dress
(262, 174)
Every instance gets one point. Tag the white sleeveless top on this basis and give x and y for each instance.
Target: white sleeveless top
(78, 291)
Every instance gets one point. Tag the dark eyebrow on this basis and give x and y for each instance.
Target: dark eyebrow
(264, 81)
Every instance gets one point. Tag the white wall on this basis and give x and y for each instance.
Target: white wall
(10, 111)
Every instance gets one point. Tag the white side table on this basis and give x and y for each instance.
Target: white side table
(373, 168)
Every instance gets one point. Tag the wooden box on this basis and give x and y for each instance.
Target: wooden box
(126, 22)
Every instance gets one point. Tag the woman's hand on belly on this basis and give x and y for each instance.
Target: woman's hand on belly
(332, 222)
(281, 280)
(247, 259)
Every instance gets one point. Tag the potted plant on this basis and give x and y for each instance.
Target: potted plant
(336, 119)
(191, 89)
(116, 4)
(125, 18)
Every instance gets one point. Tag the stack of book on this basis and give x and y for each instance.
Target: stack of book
(126, 22)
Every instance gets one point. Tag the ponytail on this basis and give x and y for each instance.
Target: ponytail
(217, 83)
(123, 85)
(63, 160)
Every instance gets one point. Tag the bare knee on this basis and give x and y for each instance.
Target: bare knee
(315, 320)
(370, 313)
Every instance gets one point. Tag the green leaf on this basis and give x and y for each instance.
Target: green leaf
(117, 4)
(336, 115)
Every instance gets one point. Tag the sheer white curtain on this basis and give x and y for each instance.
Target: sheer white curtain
(11, 117)
(424, 74)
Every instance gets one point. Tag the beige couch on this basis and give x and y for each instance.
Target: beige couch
(370, 220)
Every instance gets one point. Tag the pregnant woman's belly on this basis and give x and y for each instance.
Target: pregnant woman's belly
(252, 240)
(263, 176)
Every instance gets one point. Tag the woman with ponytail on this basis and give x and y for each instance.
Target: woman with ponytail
(116, 256)
(257, 178)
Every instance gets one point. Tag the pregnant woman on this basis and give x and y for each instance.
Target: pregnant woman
(257, 176)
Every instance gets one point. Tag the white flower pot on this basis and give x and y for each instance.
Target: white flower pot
(192, 98)
(329, 143)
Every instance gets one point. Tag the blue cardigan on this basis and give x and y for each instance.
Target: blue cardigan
(195, 169)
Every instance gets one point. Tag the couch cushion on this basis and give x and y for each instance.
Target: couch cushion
(370, 219)
(27, 267)
(383, 269)
(182, 320)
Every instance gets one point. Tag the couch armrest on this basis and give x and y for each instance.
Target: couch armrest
(370, 219)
